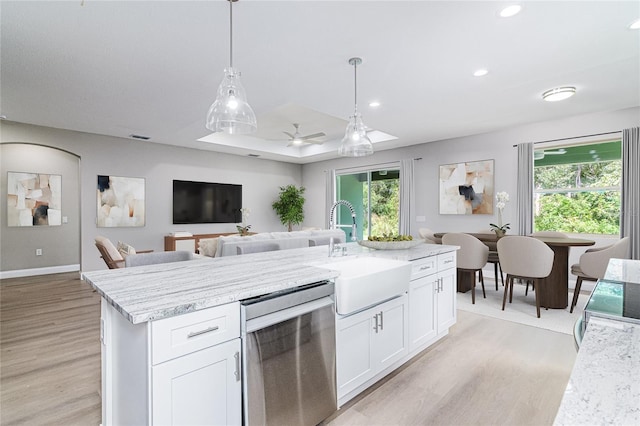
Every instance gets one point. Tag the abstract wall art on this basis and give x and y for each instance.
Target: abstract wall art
(120, 202)
(467, 188)
(34, 199)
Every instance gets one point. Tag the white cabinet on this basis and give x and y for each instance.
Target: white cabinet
(202, 388)
(432, 299)
(446, 299)
(180, 370)
(422, 320)
(370, 341)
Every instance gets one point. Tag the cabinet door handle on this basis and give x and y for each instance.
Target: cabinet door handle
(237, 372)
(375, 325)
(422, 268)
(448, 261)
(381, 320)
(205, 331)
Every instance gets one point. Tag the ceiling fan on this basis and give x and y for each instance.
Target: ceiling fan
(297, 139)
(539, 155)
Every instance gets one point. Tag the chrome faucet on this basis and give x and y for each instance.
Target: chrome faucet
(347, 204)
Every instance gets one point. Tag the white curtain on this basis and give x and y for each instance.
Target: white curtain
(525, 188)
(630, 196)
(330, 193)
(406, 195)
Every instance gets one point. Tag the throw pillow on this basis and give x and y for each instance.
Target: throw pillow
(208, 246)
(125, 249)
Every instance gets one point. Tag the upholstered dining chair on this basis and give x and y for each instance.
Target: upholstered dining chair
(156, 258)
(550, 234)
(258, 247)
(593, 264)
(470, 258)
(525, 258)
(427, 235)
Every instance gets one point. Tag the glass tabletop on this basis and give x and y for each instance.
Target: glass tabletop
(615, 299)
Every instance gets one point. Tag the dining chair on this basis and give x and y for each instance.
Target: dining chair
(525, 258)
(551, 234)
(493, 256)
(470, 258)
(593, 264)
(141, 259)
(427, 235)
(495, 260)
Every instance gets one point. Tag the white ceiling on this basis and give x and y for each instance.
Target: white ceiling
(152, 67)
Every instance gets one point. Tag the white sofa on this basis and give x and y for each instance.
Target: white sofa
(228, 245)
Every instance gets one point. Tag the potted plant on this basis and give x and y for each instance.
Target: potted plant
(289, 206)
(500, 229)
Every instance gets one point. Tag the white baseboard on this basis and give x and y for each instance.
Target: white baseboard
(39, 271)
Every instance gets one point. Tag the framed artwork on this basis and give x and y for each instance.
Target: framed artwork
(120, 202)
(467, 188)
(34, 199)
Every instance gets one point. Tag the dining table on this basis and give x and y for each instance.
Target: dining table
(556, 285)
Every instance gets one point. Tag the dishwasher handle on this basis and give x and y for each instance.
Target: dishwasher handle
(285, 314)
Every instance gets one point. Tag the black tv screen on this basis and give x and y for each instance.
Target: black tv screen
(204, 202)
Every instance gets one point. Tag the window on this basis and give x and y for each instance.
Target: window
(577, 188)
(375, 195)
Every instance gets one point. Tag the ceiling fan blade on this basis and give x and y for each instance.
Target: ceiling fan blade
(315, 135)
(289, 134)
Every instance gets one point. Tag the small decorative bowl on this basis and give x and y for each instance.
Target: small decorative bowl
(390, 245)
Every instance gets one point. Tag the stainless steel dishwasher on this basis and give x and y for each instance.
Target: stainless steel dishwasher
(289, 358)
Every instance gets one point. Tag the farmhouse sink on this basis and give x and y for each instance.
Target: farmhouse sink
(367, 281)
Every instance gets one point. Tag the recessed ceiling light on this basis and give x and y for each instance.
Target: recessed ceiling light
(635, 25)
(480, 73)
(374, 104)
(3, 117)
(559, 93)
(509, 11)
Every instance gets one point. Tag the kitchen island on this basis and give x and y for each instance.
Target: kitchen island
(604, 387)
(171, 336)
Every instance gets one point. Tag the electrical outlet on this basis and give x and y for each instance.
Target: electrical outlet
(38, 252)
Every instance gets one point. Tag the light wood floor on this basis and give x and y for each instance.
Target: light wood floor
(49, 351)
(486, 372)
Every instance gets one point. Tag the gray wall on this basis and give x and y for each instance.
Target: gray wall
(495, 145)
(60, 244)
(159, 165)
(261, 179)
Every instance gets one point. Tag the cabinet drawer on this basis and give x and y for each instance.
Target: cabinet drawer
(183, 334)
(446, 261)
(423, 267)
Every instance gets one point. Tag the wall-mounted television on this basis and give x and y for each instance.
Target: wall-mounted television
(206, 202)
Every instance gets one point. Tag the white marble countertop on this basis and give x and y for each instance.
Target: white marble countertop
(624, 270)
(604, 387)
(152, 292)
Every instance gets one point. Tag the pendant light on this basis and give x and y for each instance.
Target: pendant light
(355, 143)
(230, 113)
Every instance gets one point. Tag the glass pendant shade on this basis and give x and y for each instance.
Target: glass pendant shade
(230, 113)
(355, 143)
